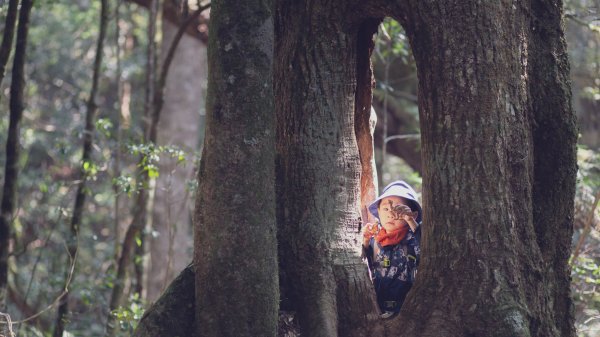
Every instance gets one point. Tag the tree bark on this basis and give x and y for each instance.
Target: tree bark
(185, 90)
(498, 142)
(173, 313)
(318, 164)
(555, 135)
(235, 238)
(480, 118)
(365, 118)
(11, 173)
(7, 36)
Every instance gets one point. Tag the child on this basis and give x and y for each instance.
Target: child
(392, 246)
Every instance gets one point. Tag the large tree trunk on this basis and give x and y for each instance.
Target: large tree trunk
(235, 239)
(509, 228)
(185, 90)
(319, 169)
(499, 169)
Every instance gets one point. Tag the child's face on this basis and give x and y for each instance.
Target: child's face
(388, 218)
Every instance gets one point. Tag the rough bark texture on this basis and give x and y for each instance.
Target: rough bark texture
(498, 142)
(474, 123)
(11, 173)
(86, 159)
(185, 90)
(173, 313)
(509, 228)
(319, 168)
(235, 238)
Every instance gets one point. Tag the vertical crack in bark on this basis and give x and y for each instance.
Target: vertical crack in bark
(362, 115)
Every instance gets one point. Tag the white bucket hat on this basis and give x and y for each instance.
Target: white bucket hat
(401, 189)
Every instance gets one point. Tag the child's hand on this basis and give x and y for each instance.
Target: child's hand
(369, 231)
(405, 213)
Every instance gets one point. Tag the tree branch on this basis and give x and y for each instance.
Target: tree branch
(164, 71)
(198, 30)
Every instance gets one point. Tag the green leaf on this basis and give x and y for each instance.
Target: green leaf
(153, 172)
(43, 187)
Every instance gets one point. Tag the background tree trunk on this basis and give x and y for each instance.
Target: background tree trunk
(185, 94)
(11, 173)
(172, 12)
(85, 167)
(318, 164)
(235, 240)
(399, 123)
(139, 217)
(7, 35)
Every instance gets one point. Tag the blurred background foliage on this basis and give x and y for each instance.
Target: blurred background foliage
(61, 51)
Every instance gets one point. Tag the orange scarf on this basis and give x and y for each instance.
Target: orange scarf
(386, 239)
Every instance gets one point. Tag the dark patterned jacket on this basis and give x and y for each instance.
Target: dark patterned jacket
(393, 269)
